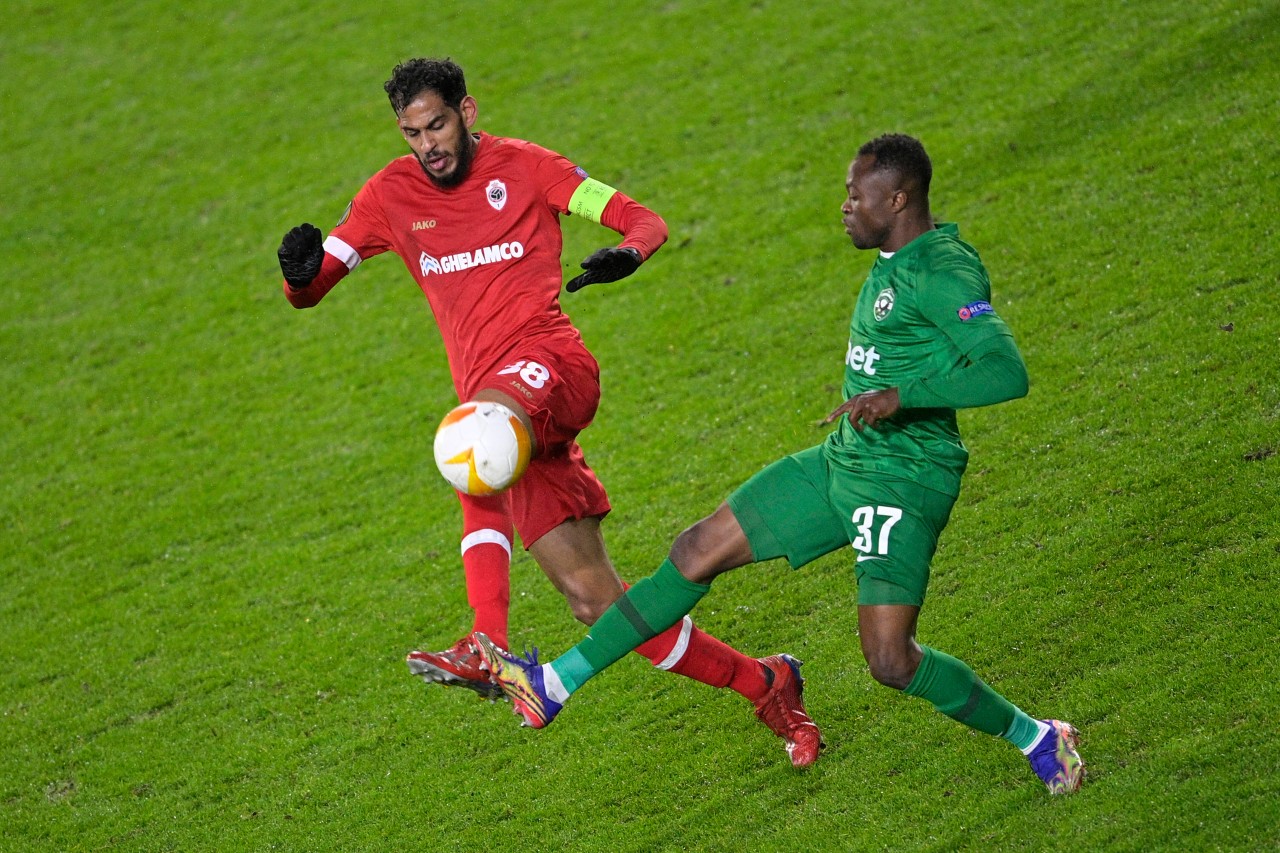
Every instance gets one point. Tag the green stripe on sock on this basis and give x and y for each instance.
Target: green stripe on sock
(642, 628)
(971, 704)
(650, 607)
(957, 691)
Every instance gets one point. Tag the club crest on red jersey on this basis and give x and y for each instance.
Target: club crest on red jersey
(496, 193)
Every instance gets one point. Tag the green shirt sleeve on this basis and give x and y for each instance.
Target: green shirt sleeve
(994, 373)
(957, 299)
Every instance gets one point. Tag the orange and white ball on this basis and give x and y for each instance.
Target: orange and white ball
(481, 448)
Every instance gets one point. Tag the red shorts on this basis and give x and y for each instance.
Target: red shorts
(559, 386)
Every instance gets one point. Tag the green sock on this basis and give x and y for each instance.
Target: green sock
(650, 607)
(957, 691)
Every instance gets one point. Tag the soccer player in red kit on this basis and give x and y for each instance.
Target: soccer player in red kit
(476, 220)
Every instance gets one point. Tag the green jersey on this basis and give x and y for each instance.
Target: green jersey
(921, 312)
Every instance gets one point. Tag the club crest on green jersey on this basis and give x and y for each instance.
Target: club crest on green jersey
(883, 304)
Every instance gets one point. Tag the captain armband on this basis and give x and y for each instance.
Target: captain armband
(590, 198)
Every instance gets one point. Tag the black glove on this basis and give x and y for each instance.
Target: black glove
(607, 264)
(301, 254)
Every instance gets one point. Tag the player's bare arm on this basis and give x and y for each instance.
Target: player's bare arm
(868, 408)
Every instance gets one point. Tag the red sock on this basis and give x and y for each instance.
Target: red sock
(686, 649)
(486, 562)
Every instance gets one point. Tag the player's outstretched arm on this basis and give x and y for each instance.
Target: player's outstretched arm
(642, 230)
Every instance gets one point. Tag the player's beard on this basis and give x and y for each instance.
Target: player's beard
(465, 154)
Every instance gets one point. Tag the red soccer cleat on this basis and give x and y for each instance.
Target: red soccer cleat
(460, 666)
(782, 710)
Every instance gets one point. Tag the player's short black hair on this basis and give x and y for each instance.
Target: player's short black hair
(410, 79)
(902, 154)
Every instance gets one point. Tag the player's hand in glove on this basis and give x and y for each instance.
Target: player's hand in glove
(608, 264)
(301, 254)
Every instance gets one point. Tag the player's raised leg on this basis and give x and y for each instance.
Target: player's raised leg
(574, 557)
(649, 617)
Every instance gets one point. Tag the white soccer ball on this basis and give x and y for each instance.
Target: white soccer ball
(481, 448)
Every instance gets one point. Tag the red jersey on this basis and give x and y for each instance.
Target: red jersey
(486, 253)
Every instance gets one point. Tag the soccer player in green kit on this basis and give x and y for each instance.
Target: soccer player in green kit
(924, 341)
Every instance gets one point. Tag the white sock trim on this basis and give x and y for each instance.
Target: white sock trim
(1044, 728)
(551, 682)
(485, 536)
(682, 645)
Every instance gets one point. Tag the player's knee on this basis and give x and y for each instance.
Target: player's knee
(588, 603)
(698, 554)
(586, 612)
(890, 667)
(494, 396)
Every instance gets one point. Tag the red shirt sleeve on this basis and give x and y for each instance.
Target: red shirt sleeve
(641, 228)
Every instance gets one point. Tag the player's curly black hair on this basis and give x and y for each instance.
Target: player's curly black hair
(902, 154)
(410, 79)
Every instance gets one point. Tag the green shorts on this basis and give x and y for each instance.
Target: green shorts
(801, 508)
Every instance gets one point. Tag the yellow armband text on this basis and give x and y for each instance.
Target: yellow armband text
(589, 199)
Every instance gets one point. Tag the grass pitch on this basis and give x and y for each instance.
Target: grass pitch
(223, 529)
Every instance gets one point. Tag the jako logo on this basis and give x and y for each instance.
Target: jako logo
(467, 260)
(862, 359)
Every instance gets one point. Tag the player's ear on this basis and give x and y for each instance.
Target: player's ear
(469, 109)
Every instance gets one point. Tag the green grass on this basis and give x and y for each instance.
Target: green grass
(223, 529)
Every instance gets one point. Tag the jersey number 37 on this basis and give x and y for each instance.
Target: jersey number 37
(864, 519)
